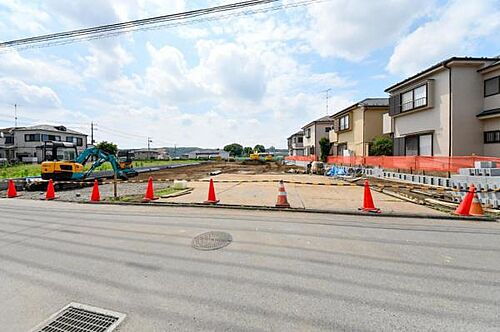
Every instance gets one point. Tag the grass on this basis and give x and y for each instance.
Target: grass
(25, 170)
(19, 171)
(139, 198)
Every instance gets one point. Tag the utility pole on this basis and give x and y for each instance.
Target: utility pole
(327, 99)
(92, 133)
(15, 115)
(149, 147)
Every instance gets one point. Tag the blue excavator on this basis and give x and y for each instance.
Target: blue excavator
(63, 163)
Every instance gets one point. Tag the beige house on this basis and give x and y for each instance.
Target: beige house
(355, 127)
(296, 144)
(315, 131)
(449, 109)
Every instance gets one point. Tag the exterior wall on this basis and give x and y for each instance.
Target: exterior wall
(491, 149)
(354, 136)
(467, 102)
(372, 125)
(491, 102)
(387, 125)
(32, 149)
(318, 131)
(435, 118)
(333, 136)
(309, 141)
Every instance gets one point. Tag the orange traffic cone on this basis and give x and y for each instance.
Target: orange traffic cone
(11, 190)
(150, 193)
(96, 196)
(211, 194)
(51, 192)
(476, 209)
(368, 205)
(282, 200)
(464, 207)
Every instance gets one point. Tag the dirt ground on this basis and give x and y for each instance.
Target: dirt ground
(201, 171)
(340, 198)
(240, 192)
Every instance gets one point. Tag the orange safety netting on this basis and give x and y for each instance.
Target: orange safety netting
(417, 163)
(301, 158)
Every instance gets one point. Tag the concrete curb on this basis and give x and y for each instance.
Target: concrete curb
(299, 210)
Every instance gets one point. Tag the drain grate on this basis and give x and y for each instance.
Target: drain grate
(212, 240)
(77, 317)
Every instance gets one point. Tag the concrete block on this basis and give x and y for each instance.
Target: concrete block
(485, 164)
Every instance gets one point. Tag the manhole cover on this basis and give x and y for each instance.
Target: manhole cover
(77, 317)
(212, 240)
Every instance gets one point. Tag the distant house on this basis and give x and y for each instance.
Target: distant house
(355, 127)
(313, 132)
(449, 109)
(208, 154)
(145, 154)
(24, 144)
(296, 144)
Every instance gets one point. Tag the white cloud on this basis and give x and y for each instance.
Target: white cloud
(16, 91)
(353, 29)
(52, 69)
(453, 32)
(106, 60)
(232, 70)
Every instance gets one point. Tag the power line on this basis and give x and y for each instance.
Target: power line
(130, 25)
(154, 23)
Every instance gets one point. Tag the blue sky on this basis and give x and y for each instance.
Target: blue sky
(251, 79)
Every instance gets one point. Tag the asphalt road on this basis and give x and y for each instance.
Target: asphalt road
(283, 272)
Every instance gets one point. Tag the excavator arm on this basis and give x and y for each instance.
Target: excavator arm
(102, 157)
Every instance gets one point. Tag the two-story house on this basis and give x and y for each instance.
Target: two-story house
(296, 144)
(355, 127)
(7, 151)
(315, 131)
(25, 143)
(449, 109)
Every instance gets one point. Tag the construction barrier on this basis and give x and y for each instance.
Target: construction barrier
(334, 184)
(302, 158)
(412, 163)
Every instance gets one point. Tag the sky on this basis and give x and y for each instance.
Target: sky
(252, 79)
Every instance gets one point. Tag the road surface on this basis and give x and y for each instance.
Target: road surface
(283, 272)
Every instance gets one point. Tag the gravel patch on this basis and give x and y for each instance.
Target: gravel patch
(106, 191)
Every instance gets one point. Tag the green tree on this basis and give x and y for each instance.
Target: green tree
(109, 147)
(234, 149)
(272, 149)
(324, 146)
(381, 146)
(247, 151)
(259, 148)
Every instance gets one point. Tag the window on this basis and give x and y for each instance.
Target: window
(47, 138)
(327, 129)
(414, 98)
(418, 145)
(344, 122)
(492, 86)
(311, 150)
(492, 136)
(32, 137)
(341, 148)
(407, 101)
(308, 133)
(76, 140)
(300, 139)
(9, 140)
(425, 145)
(411, 146)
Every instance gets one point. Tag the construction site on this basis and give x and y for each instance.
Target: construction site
(254, 184)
